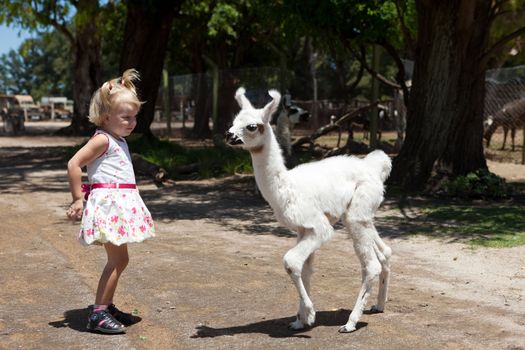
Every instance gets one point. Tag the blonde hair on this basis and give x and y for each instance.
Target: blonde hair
(114, 91)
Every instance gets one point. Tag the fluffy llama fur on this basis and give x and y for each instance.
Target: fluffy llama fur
(312, 197)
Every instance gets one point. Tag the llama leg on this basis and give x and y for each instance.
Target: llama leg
(306, 312)
(294, 263)
(383, 253)
(362, 235)
(308, 270)
(513, 136)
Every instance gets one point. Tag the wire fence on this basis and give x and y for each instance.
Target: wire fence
(504, 109)
(505, 113)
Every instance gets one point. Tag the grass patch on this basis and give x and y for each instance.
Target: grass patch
(207, 161)
(495, 226)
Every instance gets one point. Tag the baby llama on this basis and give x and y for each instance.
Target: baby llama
(310, 198)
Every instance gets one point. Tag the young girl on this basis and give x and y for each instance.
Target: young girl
(114, 214)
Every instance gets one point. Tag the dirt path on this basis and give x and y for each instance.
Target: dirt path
(213, 278)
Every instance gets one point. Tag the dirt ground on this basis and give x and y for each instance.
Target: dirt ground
(213, 276)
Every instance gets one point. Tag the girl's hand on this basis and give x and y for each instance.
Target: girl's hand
(75, 210)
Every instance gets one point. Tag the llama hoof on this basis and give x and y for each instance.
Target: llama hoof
(296, 325)
(347, 328)
(309, 317)
(376, 309)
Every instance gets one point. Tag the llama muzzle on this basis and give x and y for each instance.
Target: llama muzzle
(233, 139)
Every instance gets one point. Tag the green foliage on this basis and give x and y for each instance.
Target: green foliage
(40, 67)
(32, 15)
(112, 21)
(210, 161)
(509, 20)
(223, 20)
(478, 184)
(488, 226)
(15, 77)
(366, 20)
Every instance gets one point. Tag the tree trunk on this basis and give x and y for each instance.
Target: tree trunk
(86, 73)
(201, 117)
(227, 105)
(444, 121)
(201, 90)
(148, 25)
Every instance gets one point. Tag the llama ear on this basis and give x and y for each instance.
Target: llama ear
(272, 106)
(240, 96)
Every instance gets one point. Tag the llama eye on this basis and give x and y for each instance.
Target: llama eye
(252, 127)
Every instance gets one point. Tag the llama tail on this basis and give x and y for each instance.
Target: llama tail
(379, 161)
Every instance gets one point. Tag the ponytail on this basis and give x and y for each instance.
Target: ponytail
(107, 94)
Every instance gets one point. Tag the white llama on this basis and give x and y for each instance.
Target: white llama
(312, 197)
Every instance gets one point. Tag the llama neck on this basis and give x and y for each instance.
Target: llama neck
(268, 167)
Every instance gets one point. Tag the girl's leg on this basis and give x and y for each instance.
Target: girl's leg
(117, 261)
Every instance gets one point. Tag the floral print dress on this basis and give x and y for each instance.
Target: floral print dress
(116, 215)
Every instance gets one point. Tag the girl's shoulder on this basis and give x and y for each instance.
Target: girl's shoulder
(109, 136)
(99, 144)
(99, 139)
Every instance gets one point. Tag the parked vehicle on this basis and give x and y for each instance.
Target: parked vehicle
(31, 110)
(12, 115)
(56, 107)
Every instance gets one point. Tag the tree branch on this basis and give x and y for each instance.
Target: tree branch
(404, 29)
(376, 75)
(500, 44)
(494, 8)
(401, 73)
(325, 129)
(45, 17)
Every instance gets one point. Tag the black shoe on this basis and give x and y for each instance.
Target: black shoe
(104, 322)
(123, 317)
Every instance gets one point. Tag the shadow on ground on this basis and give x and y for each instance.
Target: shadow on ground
(75, 319)
(278, 328)
(235, 204)
(18, 163)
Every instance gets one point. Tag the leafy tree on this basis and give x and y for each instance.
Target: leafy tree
(230, 36)
(226, 35)
(145, 40)
(48, 62)
(187, 47)
(445, 113)
(512, 52)
(81, 30)
(452, 51)
(40, 67)
(15, 77)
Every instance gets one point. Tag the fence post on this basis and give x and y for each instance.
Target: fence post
(215, 90)
(523, 147)
(166, 100)
(375, 96)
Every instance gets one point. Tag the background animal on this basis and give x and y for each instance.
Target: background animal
(510, 116)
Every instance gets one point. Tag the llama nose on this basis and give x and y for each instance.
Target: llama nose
(233, 139)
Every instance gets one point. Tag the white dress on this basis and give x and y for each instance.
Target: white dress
(116, 215)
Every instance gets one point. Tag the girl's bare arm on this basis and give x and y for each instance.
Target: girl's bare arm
(91, 151)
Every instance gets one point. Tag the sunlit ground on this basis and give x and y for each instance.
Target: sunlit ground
(494, 151)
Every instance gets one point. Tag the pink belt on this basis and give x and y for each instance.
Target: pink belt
(86, 188)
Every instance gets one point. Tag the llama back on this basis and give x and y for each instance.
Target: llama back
(380, 162)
